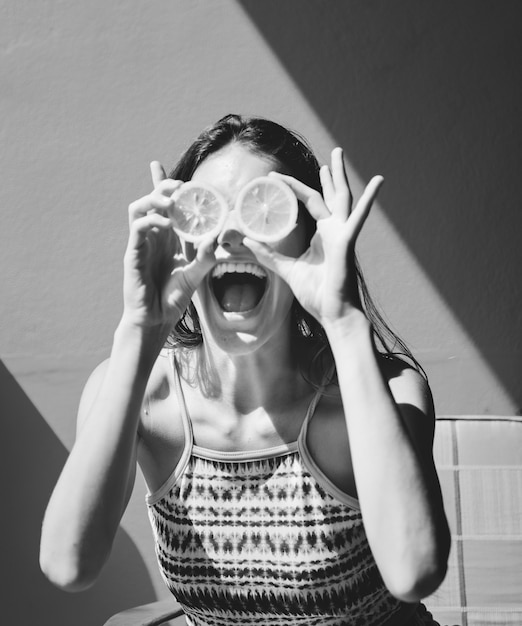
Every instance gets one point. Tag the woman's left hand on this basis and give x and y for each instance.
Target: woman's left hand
(323, 278)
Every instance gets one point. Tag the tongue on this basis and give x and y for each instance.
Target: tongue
(238, 298)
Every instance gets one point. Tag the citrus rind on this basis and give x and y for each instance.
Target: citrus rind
(266, 209)
(199, 211)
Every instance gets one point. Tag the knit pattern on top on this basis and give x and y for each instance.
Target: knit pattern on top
(260, 541)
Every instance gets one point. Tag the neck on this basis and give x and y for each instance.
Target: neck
(267, 377)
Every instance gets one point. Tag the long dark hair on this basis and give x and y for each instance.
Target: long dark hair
(292, 155)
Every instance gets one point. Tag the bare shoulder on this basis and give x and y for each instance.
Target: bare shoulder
(407, 384)
(159, 386)
(90, 392)
(412, 395)
(160, 408)
(161, 433)
(160, 379)
(160, 414)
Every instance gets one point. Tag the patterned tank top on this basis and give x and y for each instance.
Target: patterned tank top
(265, 538)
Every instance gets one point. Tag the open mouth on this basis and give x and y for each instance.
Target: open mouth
(238, 287)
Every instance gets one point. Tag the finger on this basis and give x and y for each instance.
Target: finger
(363, 207)
(206, 247)
(142, 226)
(154, 202)
(199, 267)
(338, 169)
(310, 197)
(159, 200)
(343, 195)
(157, 172)
(267, 256)
(168, 186)
(327, 185)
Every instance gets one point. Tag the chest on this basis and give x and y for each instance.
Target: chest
(251, 533)
(164, 432)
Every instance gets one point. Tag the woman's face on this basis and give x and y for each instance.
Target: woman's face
(241, 304)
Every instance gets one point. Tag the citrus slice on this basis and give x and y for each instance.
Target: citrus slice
(266, 209)
(199, 211)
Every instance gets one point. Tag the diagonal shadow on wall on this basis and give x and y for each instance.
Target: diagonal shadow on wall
(32, 458)
(429, 95)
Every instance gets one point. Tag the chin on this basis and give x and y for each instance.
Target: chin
(238, 343)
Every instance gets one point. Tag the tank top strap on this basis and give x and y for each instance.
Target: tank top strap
(185, 417)
(313, 405)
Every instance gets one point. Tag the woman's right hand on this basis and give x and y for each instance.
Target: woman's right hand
(158, 279)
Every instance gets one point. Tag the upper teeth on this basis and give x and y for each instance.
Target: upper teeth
(238, 268)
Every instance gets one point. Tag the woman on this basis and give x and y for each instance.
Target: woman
(288, 460)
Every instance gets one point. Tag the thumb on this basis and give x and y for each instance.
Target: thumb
(267, 256)
(185, 279)
(197, 269)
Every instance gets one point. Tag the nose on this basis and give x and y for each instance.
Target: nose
(230, 235)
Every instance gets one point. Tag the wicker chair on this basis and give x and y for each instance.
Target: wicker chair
(154, 614)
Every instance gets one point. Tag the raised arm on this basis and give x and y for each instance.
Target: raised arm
(388, 409)
(390, 420)
(92, 492)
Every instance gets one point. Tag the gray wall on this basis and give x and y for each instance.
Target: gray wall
(427, 94)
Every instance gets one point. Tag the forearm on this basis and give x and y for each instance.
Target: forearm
(397, 486)
(87, 503)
